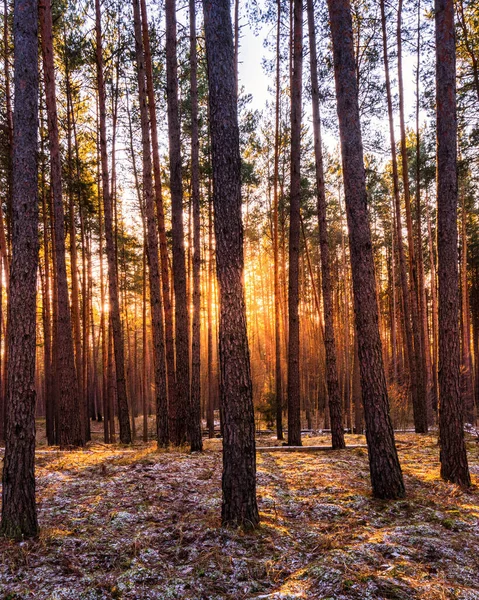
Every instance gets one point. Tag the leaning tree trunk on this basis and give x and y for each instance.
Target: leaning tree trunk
(386, 476)
(19, 515)
(68, 398)
(236, 391)
(453, 454)
(123, 412)
(152, 246)
(334, 394)
(294, 396)
(179, 265)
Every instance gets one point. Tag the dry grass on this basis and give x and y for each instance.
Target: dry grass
(133, 523)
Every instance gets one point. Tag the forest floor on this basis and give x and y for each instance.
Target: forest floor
(135, 523)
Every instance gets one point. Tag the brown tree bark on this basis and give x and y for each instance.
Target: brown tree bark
(160, 215)
(69, 425)
(75, 288)
(419, 356)
(122, 397)
(194, 417)
(152, 245)
(386, 476)
(453, 454)
(334, 394)
(417, 394)
(47, 322)
(236, 401)
(19, 515)
(210, 411)
(277, 291)
(434, 309)
(466, 370)
(179, 264)
(294, 396)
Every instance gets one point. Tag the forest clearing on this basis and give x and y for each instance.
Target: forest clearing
(138, 523)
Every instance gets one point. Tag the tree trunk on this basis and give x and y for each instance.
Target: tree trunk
(419, 356)
(69, 426)
(334, 395)
(466, 370)
(160, 215)
(194, 418)
(19, 516)
(239, 451)
(294, 396)
(123, 412)
(277, 291)
(210, 411)
(152, 246)
(386, 476)
(179, 265)
(420, 415)
(453, 455)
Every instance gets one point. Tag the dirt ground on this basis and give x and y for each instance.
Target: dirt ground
(135, 523)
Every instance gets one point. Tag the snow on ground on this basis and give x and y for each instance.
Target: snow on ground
(134, 523)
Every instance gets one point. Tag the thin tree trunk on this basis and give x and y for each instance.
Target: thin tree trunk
(123, 412)
(334, 395)
(434, 309)
(294, 397)
(69, 426)
(418, 374)
(194, 420)
(152, 245)
(420, 415)
(160, 215)
(466, 372)
(179, 265)
(75, 291)
(210, 412)
(277, 291)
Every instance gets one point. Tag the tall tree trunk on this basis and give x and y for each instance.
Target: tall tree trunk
(210, 412)
(334, 395)
(179, 265)
(160, 215)
(386, 476)
(123, 412)
(434, 309)
(425, 342)
(19, 515)
(294, 396)
(419, 357)
(453, 454)
(194, 419)
(277, 291)
(47, 320)
(466, 371)
(152, 245)
(239, 448)
(69, 426)
(75, 293)
(9, 121)
(420, 416)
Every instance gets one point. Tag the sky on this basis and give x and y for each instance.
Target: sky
(256, 82)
